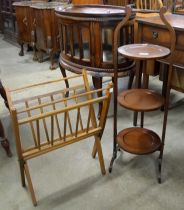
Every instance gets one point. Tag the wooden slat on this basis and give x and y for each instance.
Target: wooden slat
(47, 94)
(31, 125)
(68, 117)
(89, 119)
(48, 114)
(77, 122)
(46, 83)
(56, 118)
(59, 100)
(45, 148)
(52, 130)
(65, 124)
(80, 118)
(44, 121)
(38, 133)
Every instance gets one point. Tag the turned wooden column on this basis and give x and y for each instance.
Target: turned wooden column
(3, 139)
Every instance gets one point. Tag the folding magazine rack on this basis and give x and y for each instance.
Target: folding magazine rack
(53, 119)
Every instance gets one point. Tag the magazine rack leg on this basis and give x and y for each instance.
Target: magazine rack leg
(30, 185)
(100, 154)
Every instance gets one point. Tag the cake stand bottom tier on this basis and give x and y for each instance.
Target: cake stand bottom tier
(138, 141)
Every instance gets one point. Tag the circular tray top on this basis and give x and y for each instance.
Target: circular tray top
(49, 5)
(140, 100)
(138, 141)
(143, 51)
(92, 11)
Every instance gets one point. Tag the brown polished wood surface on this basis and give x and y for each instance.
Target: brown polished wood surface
(46, 27)
(141, 100)
(152, 30)
(143, 51)
(84, 43)
(138, 141)
(92, 11)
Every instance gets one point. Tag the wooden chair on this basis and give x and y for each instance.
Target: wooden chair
(51, 121)
(178, 6)
(149, 4)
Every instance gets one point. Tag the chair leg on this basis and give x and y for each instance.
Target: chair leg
(100, 155)
(30, 185)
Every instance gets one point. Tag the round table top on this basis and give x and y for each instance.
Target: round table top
(144, 51)
(95, 11)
